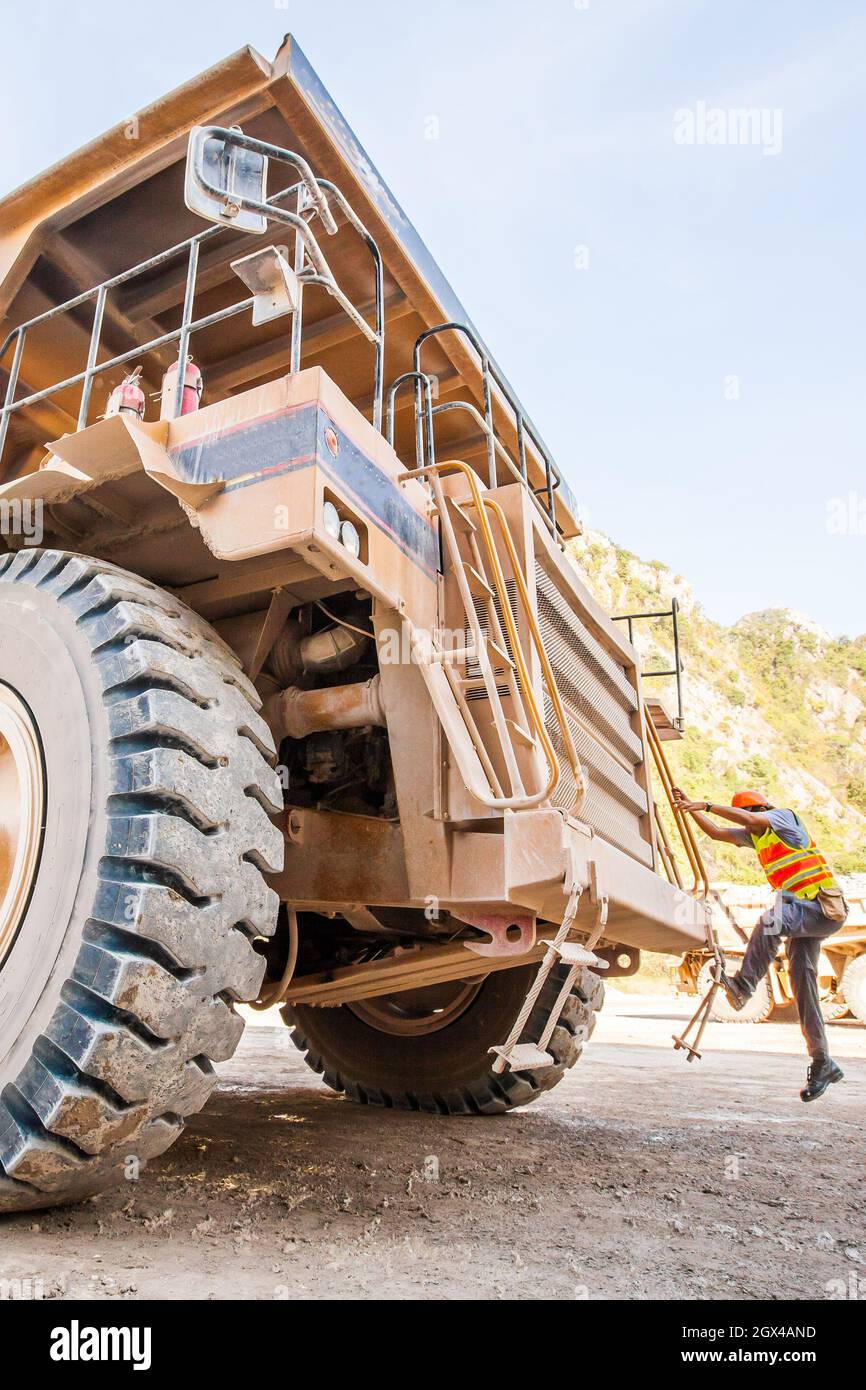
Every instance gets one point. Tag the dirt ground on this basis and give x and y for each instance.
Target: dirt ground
(639, 1177)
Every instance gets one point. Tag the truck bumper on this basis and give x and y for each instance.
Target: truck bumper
(545, 854)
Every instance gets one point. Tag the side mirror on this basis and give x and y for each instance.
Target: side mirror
(220, 175)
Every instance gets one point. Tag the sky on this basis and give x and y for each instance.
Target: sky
(676, 292)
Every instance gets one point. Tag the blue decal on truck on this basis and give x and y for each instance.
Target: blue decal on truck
(292, 439)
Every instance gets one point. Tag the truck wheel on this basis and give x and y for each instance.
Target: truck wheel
(756, 1010)
(834, 1007)
(853, 987)
(427, 1049)
(135, 796)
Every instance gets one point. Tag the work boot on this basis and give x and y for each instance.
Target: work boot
(823, 1071)
(735, 991)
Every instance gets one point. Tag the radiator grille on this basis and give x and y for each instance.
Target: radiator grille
(472, 667)
(599, 702)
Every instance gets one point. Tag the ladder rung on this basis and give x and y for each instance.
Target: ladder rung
(521, 735)
(478, 683)
(477, 583)
(455, 656)
(504, 658)
(572, 953)
(525, 1057)
(459, 517)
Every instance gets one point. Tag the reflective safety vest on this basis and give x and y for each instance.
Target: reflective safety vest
(803, 872)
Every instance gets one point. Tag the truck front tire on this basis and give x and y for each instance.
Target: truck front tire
(119, 974)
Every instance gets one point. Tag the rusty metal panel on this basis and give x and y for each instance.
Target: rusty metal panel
(341, 858)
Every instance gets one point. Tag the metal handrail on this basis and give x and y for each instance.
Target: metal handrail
(318, 273)
(481, 505)
(312, 188)
(430, 410)
(538, 642)
(490, 377)
(701, 885)
(235, 136)
(423, 384)
(424, 391)
(501, 452)
(668, 857)
(18, 334)
(677, 669)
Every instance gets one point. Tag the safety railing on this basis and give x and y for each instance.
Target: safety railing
(482, 575)
(529, 442)
(311, 197)
(689, 1040)
(677, 669)
(311, 267)
(701, 883)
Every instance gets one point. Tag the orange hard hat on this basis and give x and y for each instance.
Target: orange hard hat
(748, 798)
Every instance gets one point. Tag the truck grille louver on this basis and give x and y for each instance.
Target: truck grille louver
(600, 703)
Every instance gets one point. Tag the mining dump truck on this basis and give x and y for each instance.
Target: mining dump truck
(301, 700)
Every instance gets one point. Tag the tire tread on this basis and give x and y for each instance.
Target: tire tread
(168, 946)
(491, 1093)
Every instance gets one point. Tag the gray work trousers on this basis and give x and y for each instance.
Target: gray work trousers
(803, 927)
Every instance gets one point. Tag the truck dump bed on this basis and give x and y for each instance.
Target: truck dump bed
(119, 201)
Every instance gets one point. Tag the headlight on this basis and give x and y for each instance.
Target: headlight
(331, 520)
(350, 538)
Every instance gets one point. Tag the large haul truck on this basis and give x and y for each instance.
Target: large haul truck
(302, 701)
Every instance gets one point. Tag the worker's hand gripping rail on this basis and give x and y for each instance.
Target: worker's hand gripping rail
(483, 574)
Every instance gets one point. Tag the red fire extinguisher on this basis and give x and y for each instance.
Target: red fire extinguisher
(192, 389)
(128, 397)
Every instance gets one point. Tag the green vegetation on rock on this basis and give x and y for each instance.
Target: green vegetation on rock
(771, 702)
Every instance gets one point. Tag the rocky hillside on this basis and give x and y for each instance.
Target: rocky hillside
(772, 702)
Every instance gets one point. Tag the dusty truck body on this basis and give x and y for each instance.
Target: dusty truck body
(301, 700)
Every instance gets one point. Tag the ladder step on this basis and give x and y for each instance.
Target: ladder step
(521, 735)
(477, 583)
(525, 1057)
(459, 517)
(503, 657)
(571, 953)
(456, 656)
